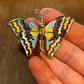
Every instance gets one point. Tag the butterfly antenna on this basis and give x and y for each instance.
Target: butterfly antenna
(37, 11)
(46, 11)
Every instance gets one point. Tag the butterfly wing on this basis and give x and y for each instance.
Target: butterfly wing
(26, 32)
(55, 31)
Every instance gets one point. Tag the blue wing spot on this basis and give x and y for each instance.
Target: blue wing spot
(20, 34)
(25, 25)
(27, 34)
(55, 37)
(63, 33)
(57, 25)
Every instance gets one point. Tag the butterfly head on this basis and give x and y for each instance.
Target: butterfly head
(41, 24)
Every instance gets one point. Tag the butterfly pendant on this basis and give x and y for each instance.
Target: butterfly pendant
(49, 36)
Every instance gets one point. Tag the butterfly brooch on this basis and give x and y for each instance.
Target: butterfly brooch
(49, 37)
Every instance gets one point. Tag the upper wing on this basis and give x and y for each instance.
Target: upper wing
(26, 32)
(55, 31)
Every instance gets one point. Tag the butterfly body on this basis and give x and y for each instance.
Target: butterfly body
(41, 36)
(48, 37)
